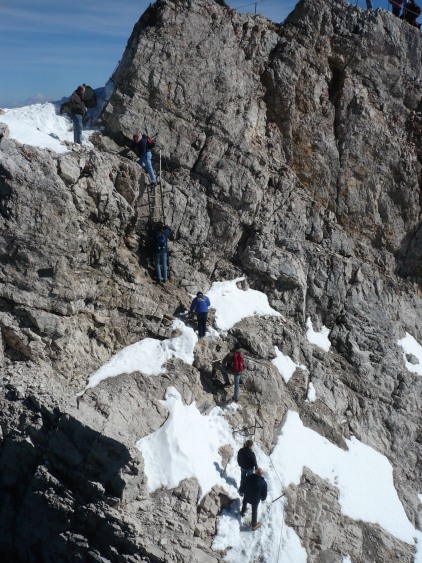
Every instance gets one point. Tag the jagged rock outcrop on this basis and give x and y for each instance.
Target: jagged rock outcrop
(291, 154)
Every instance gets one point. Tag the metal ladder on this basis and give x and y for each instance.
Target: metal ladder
(155, 202)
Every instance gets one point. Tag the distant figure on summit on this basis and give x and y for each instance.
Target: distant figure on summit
(143, 147)
(200, 306)
(160, 252)
(396, 6)
(77, 111)
(411, 13)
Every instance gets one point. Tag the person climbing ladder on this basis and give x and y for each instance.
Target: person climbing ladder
(161, 236)
(143, 147)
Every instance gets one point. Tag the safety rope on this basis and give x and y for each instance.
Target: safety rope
(282, 518)
(251, 4)
(405, 8)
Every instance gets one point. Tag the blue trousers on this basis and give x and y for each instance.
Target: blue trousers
(77, 128)
(236, 378)
(146, 163)
(236, 386)
(160, 260)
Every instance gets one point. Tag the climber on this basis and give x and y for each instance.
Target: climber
(200, 306)
(411, 13)
(369, 4)
(162, 233)
(396, 6)
(142, 147)
(247, 461)
(77, 112)
(233, 363)
(254, 489)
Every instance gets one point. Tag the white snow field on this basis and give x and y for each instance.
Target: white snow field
(187, 446)
(149, 355)
(40, 126)
(188, 442)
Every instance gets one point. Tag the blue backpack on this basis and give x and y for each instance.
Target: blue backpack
(160, 241)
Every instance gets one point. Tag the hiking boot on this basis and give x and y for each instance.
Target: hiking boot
(242, 513)
(227, 384)
(235, 400)
(257, 525)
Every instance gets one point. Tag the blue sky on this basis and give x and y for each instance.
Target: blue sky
(48, 47)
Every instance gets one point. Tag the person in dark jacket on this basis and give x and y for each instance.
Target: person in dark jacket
(140, 147)
(247, 461)
(411, 12)
(200, 306)
(77, 112)
(162, 233)
(396, 6)
(254, 489)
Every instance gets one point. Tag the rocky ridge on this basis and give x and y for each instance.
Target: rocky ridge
(291, 155)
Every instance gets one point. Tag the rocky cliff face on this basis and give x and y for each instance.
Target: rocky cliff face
(292, 155)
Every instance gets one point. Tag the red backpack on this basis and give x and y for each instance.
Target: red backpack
(237, 362)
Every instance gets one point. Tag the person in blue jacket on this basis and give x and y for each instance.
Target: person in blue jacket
(254, 489)
(200, 306)
(161, 236)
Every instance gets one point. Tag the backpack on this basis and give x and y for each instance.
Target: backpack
(237, 362)
(150, 144)
(66, 108)
(160, 241)
(89, 97)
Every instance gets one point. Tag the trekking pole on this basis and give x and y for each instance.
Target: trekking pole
(281, 496)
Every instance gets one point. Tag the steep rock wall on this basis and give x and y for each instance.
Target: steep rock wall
(291, 154)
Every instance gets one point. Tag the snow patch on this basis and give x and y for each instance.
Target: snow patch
(185, 446)
(411, 346)
(149, 355)
(311, 394)
(233, 304)
(363, 476)
(320, 338)
(285, 365)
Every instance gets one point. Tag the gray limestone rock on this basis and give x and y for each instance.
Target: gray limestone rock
(291, 154)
